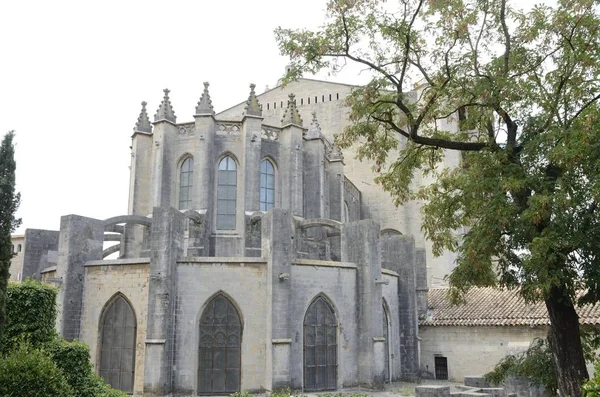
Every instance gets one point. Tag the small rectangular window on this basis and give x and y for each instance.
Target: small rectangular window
(19, 276)
(315, 99)
(309, 100)
(337, 96)
(441, 368)
(301, 101)
(329, 97)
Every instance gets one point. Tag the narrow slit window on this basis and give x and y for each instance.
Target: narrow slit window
(226, 194)
(267, 185)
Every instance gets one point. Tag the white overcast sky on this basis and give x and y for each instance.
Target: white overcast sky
(73, 74)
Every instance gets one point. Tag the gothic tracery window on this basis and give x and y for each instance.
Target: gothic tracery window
(219, 365)
(320, 346)
(226, 194)
(186, 182)
(267, 185)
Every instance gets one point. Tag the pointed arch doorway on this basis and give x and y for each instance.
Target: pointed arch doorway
(117, 344)
(320, 346)
(219, 352)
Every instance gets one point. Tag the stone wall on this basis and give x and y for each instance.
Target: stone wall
(103, 280)
(473, 350)
(244, 281)
(337, 282)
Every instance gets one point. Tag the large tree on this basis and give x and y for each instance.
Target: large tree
(516, 92)
(9, 202)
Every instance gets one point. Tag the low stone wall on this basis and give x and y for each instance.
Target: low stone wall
(477, 386)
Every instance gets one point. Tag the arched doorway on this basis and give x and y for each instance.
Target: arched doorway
(219, 355)
(320, 346)
(386, 335)
(117, 344)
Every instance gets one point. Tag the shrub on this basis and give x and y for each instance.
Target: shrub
(28, 372)
(30, 314)
(73, 359)
(535, 364)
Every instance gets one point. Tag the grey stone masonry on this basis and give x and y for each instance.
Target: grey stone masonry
(251, 129)
(398, 254)
(432, 391)
(278, 246)
(360, 245)
(41, 251)
(167, 235)
(421, 281)
(81, 240)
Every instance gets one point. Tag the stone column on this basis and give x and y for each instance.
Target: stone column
(335, 177)
(291, 159)
(421, 281)
(314, 179)
(204, 160)
(167, 243)
(360, 245)
(398, 254)
(81, 240)
(278, 247)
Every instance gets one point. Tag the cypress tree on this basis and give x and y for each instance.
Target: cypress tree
(9, 202)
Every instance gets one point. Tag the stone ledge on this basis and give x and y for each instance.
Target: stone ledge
(389, 272)
(222, 259)
(315, 262)
(281, 341)
(48, 269)
(119, 262)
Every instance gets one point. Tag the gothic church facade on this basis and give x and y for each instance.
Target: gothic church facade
(254, 256)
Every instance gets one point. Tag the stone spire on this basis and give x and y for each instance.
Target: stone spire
(291, 115)
(253, 107)
(205, 104)
(314, 131)
(165, 110)
(143, 122)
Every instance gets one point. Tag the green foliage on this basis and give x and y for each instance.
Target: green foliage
(73, 359)
(517, 94)
(591, 388)
(31, 314)
(28, 372)
(535, 364)
(9, 202)
(243, 393)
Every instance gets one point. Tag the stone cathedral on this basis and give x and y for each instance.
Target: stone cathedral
(254, 256)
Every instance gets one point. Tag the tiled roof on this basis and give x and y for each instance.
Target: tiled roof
(494, 307)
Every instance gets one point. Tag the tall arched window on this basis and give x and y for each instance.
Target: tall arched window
(226, 194)
(186, 181)
(117, 344)
(267, 185)
(320, 346)
(220, 352)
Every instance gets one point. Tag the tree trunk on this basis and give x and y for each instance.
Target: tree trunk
(565, 342)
